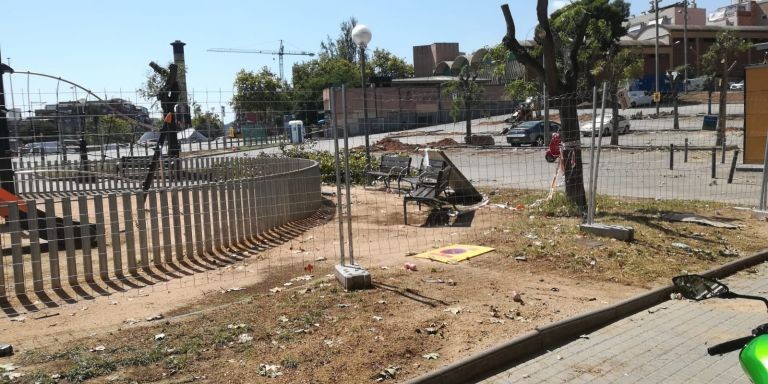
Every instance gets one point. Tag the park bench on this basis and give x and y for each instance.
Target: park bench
(433, 166)
(430, 190)
(390, 167)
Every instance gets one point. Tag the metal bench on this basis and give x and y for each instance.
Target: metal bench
(430, 190)
(390, 167)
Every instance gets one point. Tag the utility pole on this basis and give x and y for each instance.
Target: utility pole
(655, 4)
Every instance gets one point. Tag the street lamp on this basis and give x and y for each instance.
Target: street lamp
(361, 35)
(655, 6)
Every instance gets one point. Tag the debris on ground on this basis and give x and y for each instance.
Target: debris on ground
(160, 337)
(244, 338)
(269, 370)
(387, 374)
(454, 310)
(233, 289)
(432, 330)
(275, 290)
(410, 266)
(521, 258)
(431, 356)
(98, 348)
(682, 246)
(130, 321)
(19, 319)
(516, 297)
(447, 142)
(159, 316)
(692, 218)
(6, 350)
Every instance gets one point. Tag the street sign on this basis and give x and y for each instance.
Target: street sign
(656, 97)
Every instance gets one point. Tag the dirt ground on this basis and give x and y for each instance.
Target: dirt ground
(295, 323)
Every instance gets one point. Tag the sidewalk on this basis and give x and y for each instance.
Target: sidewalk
(665, 344)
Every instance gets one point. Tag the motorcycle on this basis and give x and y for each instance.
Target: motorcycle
(553, 152)
(523, 112)
(753, 355)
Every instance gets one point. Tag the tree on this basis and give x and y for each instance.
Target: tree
(261, 92)
(719, 61)
(384, 63)
(207, 121)
(568, 39)
(311, 77)
(466, 93)
(615, 68)
(343, 47)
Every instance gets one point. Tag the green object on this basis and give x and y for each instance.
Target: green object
(754, 359)
(710, 123)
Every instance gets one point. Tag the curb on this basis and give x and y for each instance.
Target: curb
(550, 336)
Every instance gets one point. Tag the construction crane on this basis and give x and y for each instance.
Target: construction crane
(280, 53)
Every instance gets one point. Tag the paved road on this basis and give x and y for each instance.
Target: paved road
(666, 344)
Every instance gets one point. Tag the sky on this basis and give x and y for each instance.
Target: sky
(105, 46)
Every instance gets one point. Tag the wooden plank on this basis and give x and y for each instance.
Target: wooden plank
(177, 211)
(154, 228)
(198, 218)
(130, 245)
(17, 257)
(53, 243)
(165, 219)
(189, 240)
(142, 224)
(216, 227)
(85, 230)
(34, 246)
(114, 229)
(69, 240)
(224, 215)
(101, 237)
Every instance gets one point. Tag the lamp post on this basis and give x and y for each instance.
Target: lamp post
(685, 45)
(6, 167)
(361, 35)
(655, 5)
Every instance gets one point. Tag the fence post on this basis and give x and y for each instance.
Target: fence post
(714, 162)
(724, 148)
(733, 166)
(671, 157)
(685, 153)
(85, 231)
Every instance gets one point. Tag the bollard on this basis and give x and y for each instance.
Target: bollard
(685, 153)
(671, 157)
(722, 161)
(714, 162)
(733, 166)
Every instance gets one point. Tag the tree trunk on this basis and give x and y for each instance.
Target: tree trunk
(674, 110)
(468, 117)
(721, 113)
(615, 122)
(571, 154)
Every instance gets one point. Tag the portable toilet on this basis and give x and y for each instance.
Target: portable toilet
(297, 131)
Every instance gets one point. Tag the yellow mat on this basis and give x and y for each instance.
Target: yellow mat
(454, 253)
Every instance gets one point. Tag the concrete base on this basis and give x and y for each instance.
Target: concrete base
(749, 167)
(353, 277)
(613, 231)
(759, 215)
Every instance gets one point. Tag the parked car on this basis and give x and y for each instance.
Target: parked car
(737, 86)
(623, 126)
(638, 98)
(531, 132)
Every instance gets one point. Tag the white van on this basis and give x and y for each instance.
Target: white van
(638, 98)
